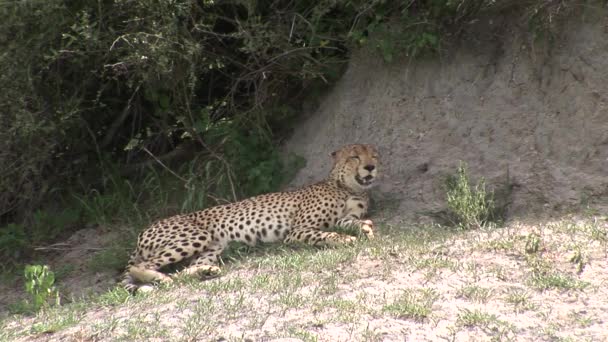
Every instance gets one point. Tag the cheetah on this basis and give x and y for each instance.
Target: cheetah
(294, 216)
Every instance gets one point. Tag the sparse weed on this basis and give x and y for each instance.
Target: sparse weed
(197, 325)
(506, 245)
(302, 334)
(475, 293)
(581, 318)
(475, 318)
(499, 272)
(520, 299)
(488, 323)
(143, 326)
(413, 304)
(579, 259)
(533, 243)
(543, 276)
(554, 332)
(115, 296)
(49, 324)
(598, 232)
(555, 280)
(372, 335)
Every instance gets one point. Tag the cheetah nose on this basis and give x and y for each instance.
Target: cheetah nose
(369, 168)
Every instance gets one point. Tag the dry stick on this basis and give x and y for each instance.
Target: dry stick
(62, 246)
(293, 23)
(163, 165)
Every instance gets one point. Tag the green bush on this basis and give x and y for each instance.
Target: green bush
(40, 285)
(88, 82)
(468, 206)
(104, 100)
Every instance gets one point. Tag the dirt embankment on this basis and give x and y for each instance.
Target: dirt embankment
(504, 103)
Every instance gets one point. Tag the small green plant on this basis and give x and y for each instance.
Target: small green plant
(414, 305)
(544, 276)
(469, 207)
(520, 299)
(555, 280)
(474, 318)
(490, 324)
(598, 233)
(533, 243)
(475, 293)
(579, 259)
(40, 285)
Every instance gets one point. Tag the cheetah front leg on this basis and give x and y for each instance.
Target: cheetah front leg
(318, 237)
(205, 264)
(355, 208)
(364, 226)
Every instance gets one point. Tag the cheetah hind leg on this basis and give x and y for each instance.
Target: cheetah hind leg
(147, 272)
(139, 272)
(204, 265)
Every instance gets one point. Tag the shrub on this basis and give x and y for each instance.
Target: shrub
(40, 285)
(469, 207)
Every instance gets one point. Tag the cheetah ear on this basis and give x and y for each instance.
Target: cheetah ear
(334, 154)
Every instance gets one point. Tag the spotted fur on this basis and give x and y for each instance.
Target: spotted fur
(299, 215)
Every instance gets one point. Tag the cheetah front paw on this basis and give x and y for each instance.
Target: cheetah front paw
(367, 228)
(336, 239)
(202, 271)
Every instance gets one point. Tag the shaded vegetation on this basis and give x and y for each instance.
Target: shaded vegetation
(112, 109)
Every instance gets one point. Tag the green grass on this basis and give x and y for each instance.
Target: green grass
(555, 281)
(475, 293)
(520, 299)
(581, 319)
(416, 305)
(488, 323)
(328, 287)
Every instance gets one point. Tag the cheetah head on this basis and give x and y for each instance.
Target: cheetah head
(355, 167)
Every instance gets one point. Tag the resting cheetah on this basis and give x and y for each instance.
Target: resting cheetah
(289, 216)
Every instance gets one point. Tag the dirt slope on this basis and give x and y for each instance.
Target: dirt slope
(500, 101)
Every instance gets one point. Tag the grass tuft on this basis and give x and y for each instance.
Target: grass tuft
(416, 305)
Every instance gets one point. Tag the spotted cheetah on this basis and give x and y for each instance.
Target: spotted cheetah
(298, 215)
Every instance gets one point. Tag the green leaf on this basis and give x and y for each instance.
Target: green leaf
(164, 101)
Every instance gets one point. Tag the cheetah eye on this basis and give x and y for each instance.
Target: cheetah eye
(355, 157)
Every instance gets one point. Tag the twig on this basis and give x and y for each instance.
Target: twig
(65, 247)
(163, 165)
(119, 121)
(293, 23)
